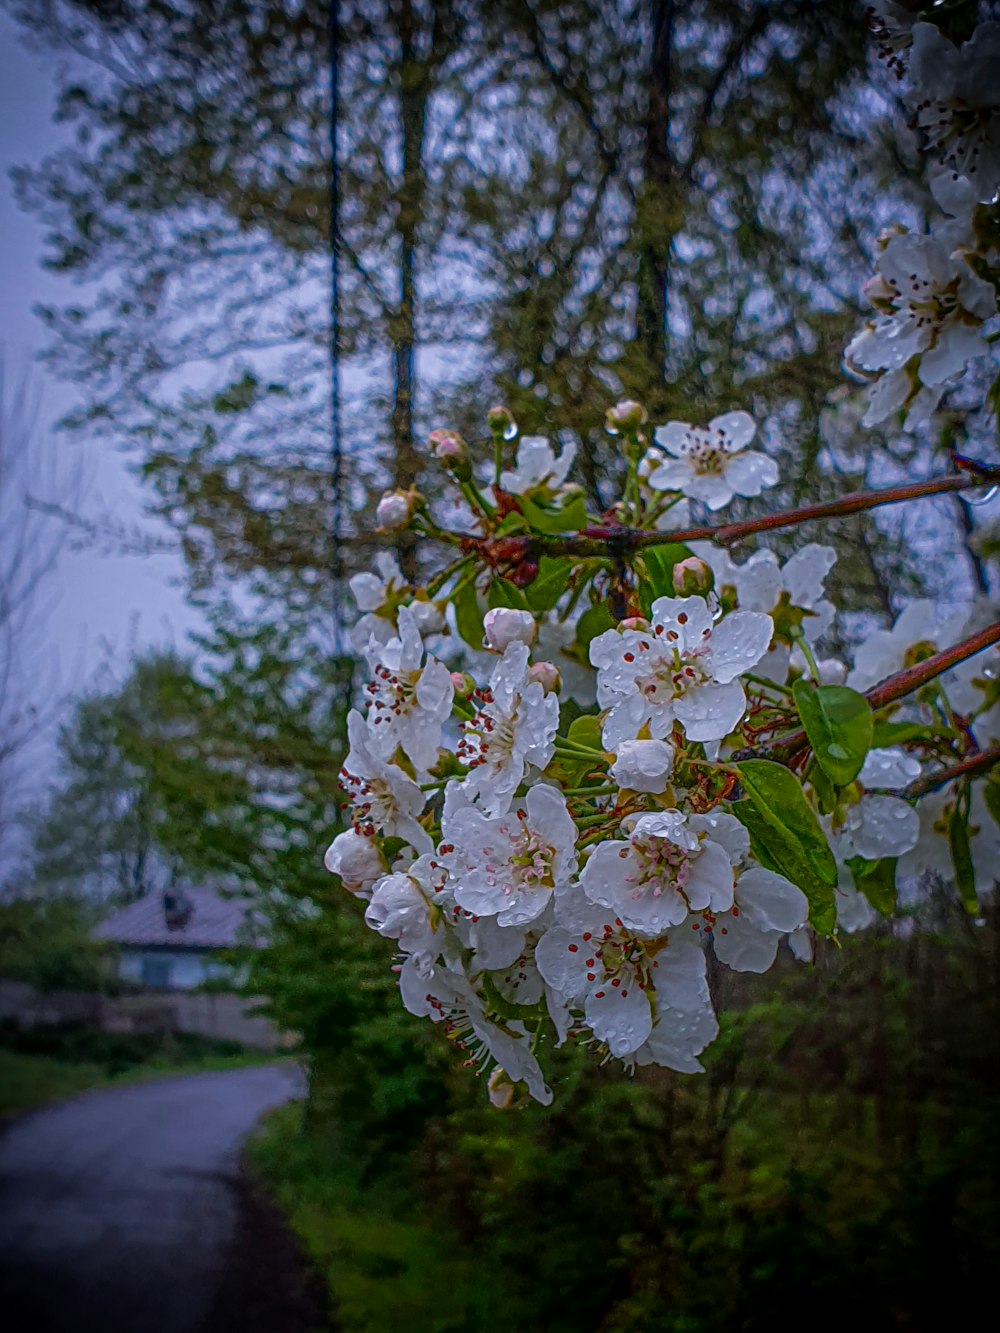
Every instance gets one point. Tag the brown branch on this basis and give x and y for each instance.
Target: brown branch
(616, 540)
(969, 767)
(906, 681)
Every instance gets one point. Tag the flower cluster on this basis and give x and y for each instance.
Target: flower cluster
(934, 295)
(562, 818)
(599, 755)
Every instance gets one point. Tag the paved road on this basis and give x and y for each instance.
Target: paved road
(123, 1211)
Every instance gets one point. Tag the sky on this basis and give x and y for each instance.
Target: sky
(97, 608)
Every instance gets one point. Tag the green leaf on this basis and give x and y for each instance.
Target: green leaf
(512, 523)
(545, 518)
(469, 615)
(658, 563)
(595, 620)
(877, 881)
(839, 724)
(787, 837)
(503, 593)
(961, 853)
(587, 731)
(991, 798)
(898, 733)
(826, 792)
(549, 584)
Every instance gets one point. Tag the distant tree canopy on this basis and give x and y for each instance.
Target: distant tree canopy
(553, 205)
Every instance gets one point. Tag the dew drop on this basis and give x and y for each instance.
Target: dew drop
(510, 431)
(981, 497)
(837, 751)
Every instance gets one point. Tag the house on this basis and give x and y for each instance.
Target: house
(169, 941)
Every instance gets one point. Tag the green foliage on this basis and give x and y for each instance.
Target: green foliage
(840, 1157)
(839, 724)
(46, 942)
(786, 836)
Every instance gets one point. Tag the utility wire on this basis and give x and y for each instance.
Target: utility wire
(336, 450)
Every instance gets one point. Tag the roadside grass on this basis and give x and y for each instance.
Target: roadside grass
(80, 1062)
(385, 1268)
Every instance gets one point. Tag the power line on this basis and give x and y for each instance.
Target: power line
(336, 449)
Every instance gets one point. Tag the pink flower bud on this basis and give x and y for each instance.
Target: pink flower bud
(504, 625)
(627, 415)
(692, 577)
(547, 675)
(449, 448)
(501, 422)
(634, 622)
(463, 684)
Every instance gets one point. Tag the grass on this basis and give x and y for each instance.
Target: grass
(31, 1078)
(385, 1269)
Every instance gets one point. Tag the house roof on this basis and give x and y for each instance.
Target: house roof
(213, 923)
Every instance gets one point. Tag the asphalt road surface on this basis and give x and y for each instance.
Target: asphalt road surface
(125, 1210)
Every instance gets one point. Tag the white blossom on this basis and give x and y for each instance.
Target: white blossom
(538, 468)
(356, 858)
(685, 668)
(407, 907)
(606, 968)
(933, 306)
(514, 726)
(379, 596)
(878, 826)
(955, 97)
(685, 1021)
(643, 765)
(707, 463)
(409, 699)
(446, 997)
(664, 868)
(503, 625)
(917, 633)
(383, 798)
(511, 865)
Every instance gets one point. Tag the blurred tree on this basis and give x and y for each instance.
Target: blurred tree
(98, 837)
(29, 694)
(557, 204)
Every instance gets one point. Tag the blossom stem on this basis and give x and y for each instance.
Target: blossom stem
(972, 766)
(768, 684)
(590, 791)
(807, 653)
(907, 681)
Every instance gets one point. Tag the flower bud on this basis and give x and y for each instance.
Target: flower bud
(395, 509)
(524, 573)
(504, 625)
(634, 622)
(831, 671)
(501, 422)
(357, 859)
(692, 577)
(643, 765)
(547, 675)
(463, 684)
(449, 448)
(503, 1091)
(625, 416)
